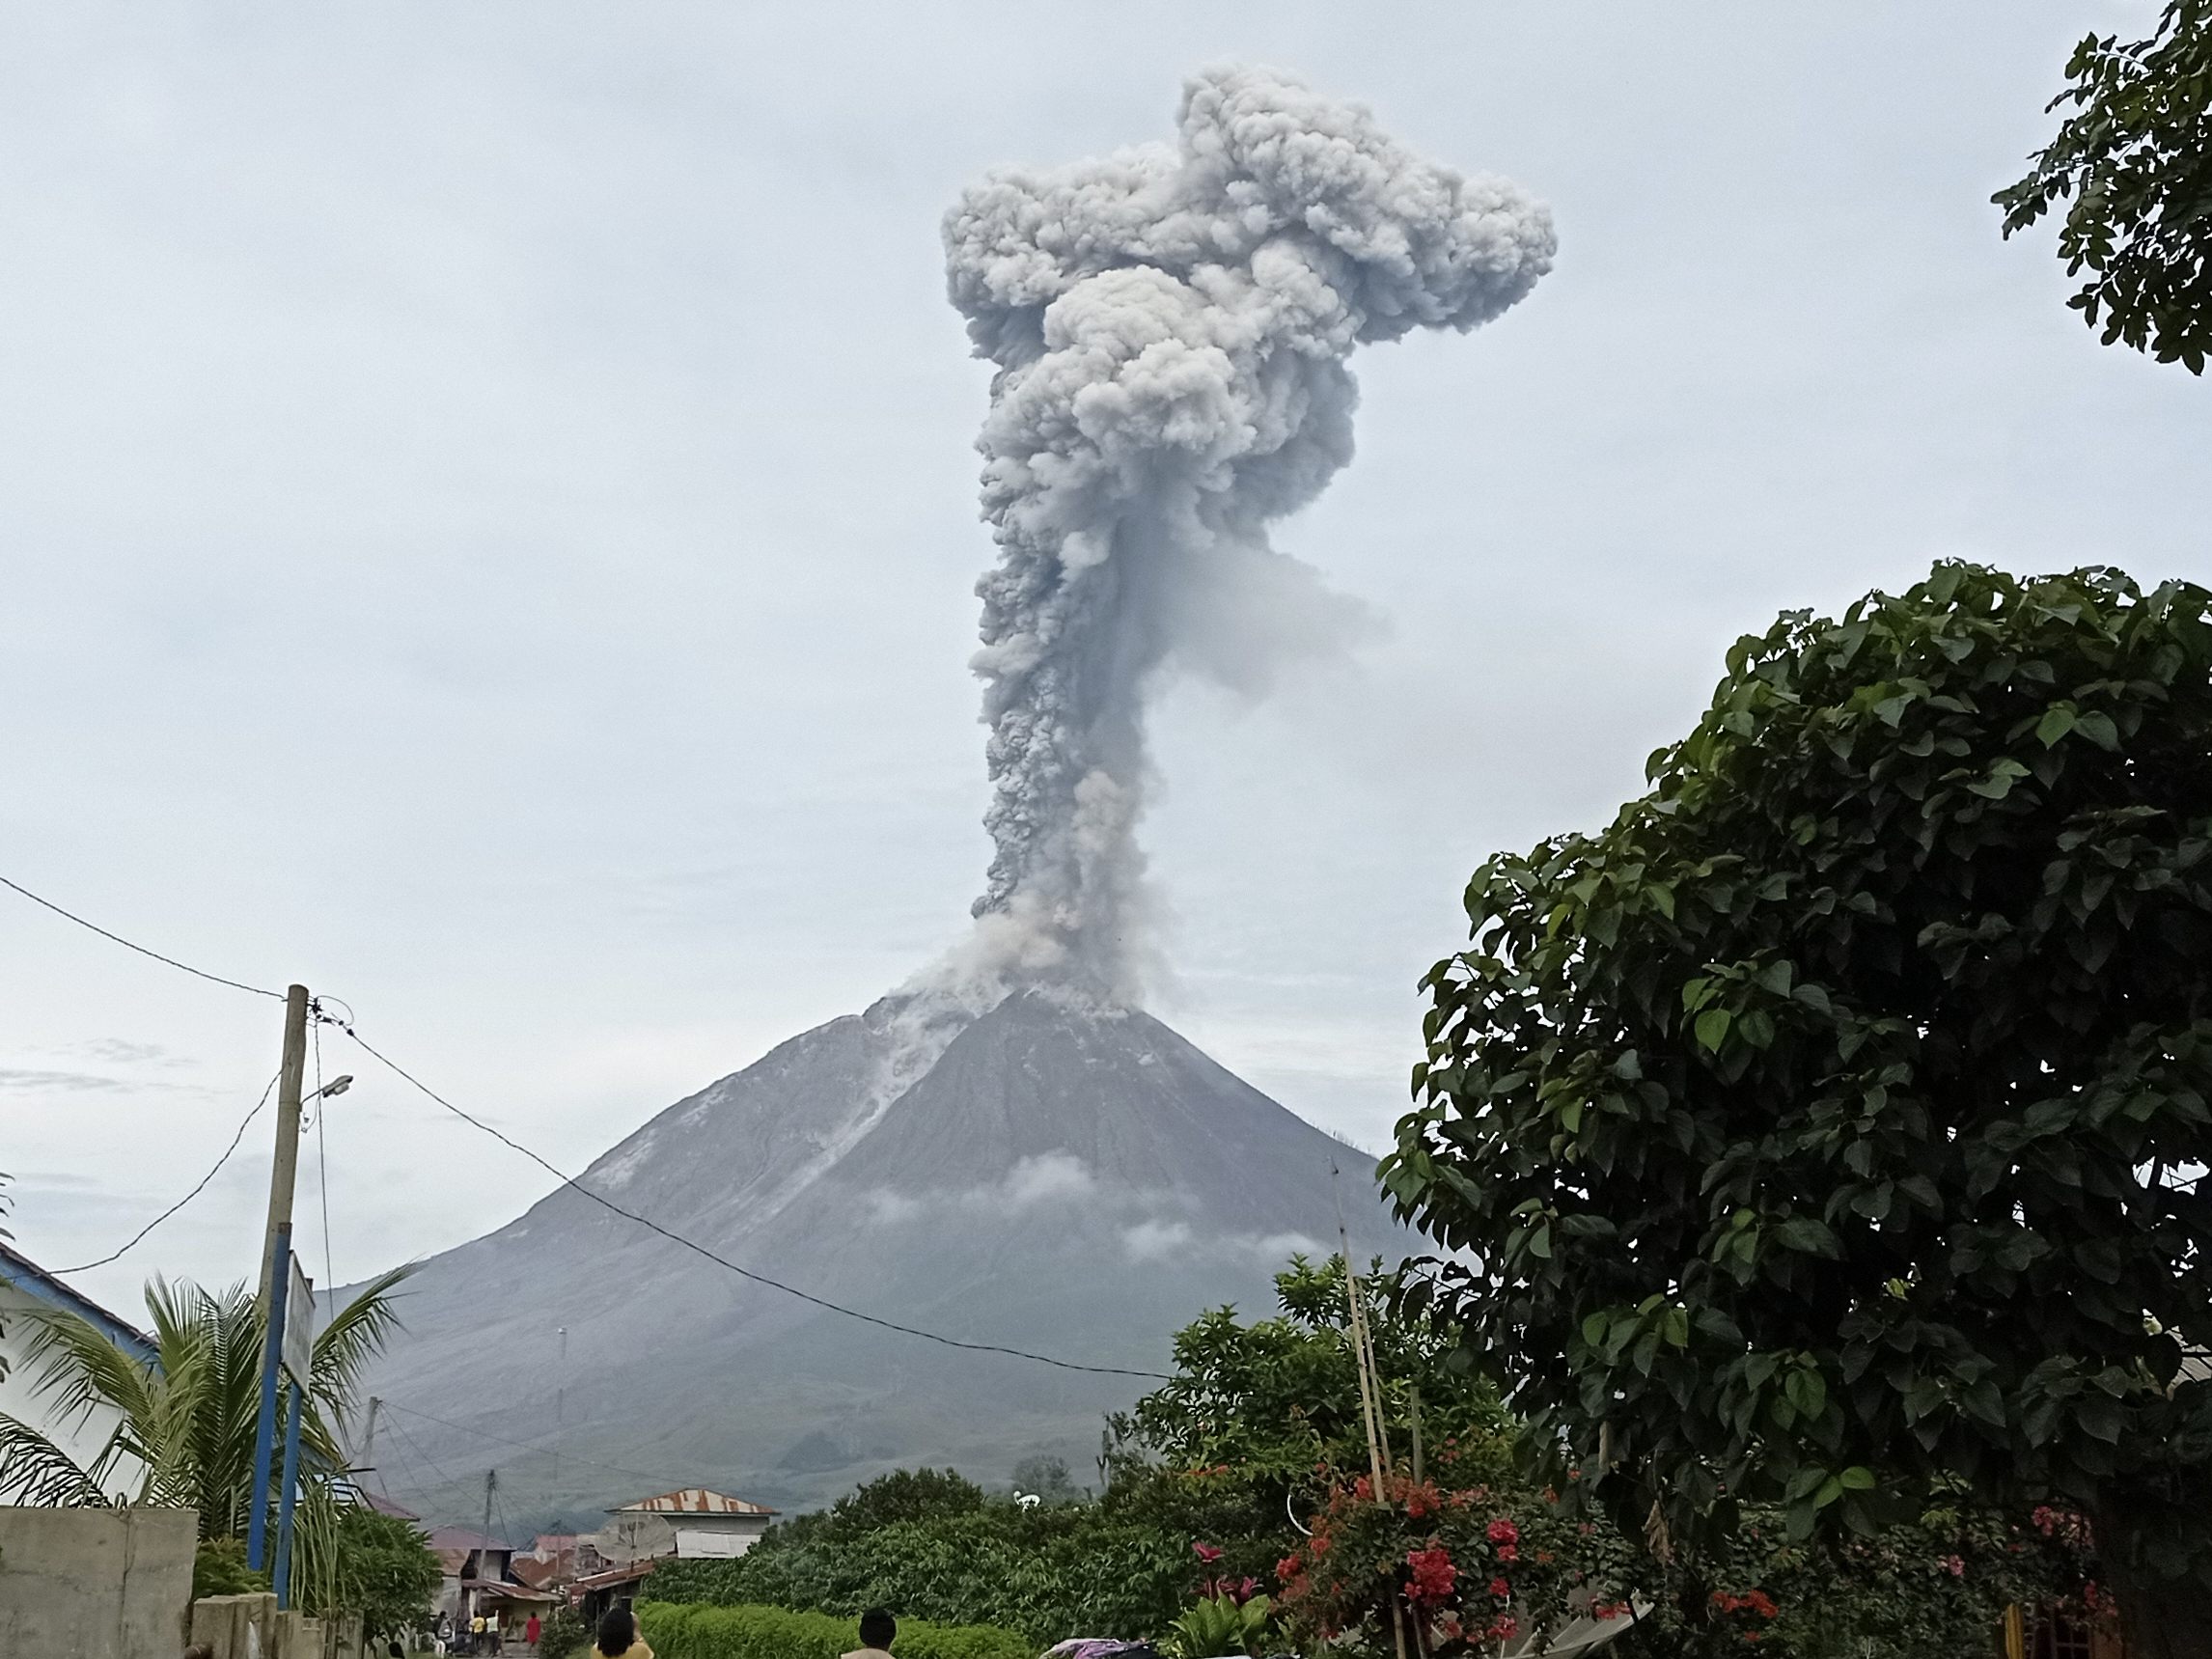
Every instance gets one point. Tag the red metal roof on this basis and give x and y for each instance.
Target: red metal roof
(693, 1500)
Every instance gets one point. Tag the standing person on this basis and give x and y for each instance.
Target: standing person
(619, 1637)
(493, 1635)
(877, 1631)
(532, 1631)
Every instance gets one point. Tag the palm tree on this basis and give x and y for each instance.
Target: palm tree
(184, 1437)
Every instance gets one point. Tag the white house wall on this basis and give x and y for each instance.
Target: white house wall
(82, 1438)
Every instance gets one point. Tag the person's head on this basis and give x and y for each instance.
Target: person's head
(877, 1628)
(617, 1629)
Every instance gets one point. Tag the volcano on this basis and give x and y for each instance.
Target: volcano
(1074, 1181)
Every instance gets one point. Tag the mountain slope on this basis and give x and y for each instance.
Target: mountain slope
(1070, 1181)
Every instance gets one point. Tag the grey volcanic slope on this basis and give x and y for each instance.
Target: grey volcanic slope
(1074, 1182)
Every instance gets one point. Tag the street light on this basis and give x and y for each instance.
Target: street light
(336, 1087)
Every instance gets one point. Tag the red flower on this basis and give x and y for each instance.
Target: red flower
(1503, 1531)
(1288, 1568)
(1508, 1553)
(1207, 1553)
(1504, 1628)
(1500, 1588)
(1433, 1576)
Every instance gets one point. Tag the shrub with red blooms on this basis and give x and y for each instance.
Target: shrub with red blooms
(1469, 1565)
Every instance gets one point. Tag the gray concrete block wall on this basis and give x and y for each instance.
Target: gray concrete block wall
(100, 1584)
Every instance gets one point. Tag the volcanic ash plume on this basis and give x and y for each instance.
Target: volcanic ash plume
(1170, 327)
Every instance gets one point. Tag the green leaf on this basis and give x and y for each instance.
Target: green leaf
(1810, 1237)
(2099, 730)
(2058, 720)
(1712, 1028)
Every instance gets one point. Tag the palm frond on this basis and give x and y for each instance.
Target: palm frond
(357, 1333)
(35, 1472)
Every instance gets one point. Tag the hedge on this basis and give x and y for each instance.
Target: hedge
(703, 1632)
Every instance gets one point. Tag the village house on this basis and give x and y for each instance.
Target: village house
(691, 1524)
(480, 1578)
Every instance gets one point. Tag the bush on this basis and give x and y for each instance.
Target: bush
(1050, 1573)
(698, 1632)
(564, 1634)
(219, 1568)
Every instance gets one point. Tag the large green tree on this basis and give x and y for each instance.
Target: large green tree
(2135, 158)
(1828, 1127)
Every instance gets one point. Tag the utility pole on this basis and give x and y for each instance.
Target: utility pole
(276, 1263)
(284, 1174)
(560, 1405)
(369, 1434)
(490, 1479)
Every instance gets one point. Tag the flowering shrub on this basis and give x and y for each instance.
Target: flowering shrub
(1462, 1565)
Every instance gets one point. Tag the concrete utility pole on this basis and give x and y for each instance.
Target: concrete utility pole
(369, 1434)
(276, 1263)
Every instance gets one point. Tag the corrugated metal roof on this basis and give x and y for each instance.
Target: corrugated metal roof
(34, 1281)
(693, 1500)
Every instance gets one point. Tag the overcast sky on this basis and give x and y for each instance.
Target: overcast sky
(488, 516)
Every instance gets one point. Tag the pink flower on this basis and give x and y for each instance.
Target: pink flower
(1508, 1553)
(1500, 1588)
(1207, 1553)
(1503, 1531)
(1954, 1566)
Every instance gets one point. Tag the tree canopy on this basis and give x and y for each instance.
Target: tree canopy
(2136, 159)
(1827, 1127)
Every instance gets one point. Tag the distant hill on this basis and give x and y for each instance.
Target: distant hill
(1069, 1181)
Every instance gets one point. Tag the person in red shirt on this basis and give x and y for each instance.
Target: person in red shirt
(530, 1632)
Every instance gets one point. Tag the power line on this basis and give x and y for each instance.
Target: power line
(188, 1197)
(436, 1468)
(518, 1445)
(697, 1249)
(559, 1175)
(322, 1158)
(172, 961)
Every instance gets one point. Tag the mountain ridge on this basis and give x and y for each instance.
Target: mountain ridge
(1074, 1181)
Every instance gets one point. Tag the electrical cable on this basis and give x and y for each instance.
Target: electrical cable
(697, 1249)
(525, 1445)
(436, 1468)
(172, 961)
(87, 1266)
(559, 1175)
(322, 1158)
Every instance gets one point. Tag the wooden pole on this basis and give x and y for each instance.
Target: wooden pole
(283, 1172)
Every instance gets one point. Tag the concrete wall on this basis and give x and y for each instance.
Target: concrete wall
(97, 1584)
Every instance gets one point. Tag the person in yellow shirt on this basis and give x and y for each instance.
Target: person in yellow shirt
(877, 1631)
(619, 1637)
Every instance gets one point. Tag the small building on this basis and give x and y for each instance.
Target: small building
(476, 1568)
(27, 1292)
(690, 1524)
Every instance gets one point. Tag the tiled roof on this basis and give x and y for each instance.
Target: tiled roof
(693, 1500)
